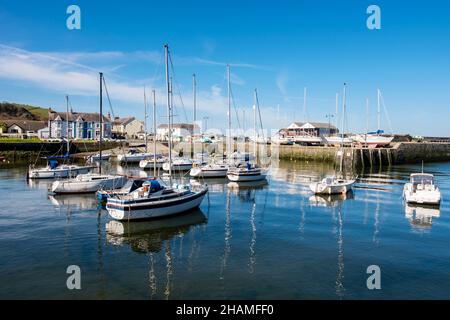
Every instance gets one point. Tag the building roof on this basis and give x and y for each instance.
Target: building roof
(317, 125)
(124, 121)
(187, 126)
(74, 116)
(26, 125)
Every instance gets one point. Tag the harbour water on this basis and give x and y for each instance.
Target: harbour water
(264, 241)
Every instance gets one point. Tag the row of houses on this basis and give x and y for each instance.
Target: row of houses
(86, 126)
(75, 125)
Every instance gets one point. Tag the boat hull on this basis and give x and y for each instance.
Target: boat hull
(208, 173)
(149, 164)
(239, 177)
(74, 187)
(157, 209)
(132, 158)
(320, 188)
(177, 167)
(57, 173)
(432, 198)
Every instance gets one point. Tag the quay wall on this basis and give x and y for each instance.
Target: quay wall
(30, 151)
(400, 153)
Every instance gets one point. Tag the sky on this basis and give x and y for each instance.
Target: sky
(276, 47)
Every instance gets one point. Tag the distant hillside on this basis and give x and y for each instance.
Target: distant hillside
(15, 111)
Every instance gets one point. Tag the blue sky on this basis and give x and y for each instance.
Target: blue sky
(278, 47)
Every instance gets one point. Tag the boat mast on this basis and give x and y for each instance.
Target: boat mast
(145, 119)
(344, 108)
(67, 124)
(166, 54)
(305, 92)
(379, 109)
(154, 133)
(367, 119)
(101, 122)
(194, 92)
(229, 113)
(336, 113)
(255, 150)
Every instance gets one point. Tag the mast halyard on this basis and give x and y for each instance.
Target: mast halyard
(379, 110)
(101, 122)
(67, 124)
(145, 119)
(166, 54)
(229, 141)
(194, 93)
(344, 108)
(154, 133)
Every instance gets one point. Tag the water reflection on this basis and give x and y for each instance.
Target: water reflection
(331, 201)
(340, 290)
(421, 217)
(148, 236)
(78, 201)
(246, 191)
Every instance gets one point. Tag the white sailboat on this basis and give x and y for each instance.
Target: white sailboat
(336, 184)
(155, 161)
(178, 164)
(247, 171)
(155, 199)
(133, 156)
(54, 170)
(92, 182)
(377, 138)
(202, 169)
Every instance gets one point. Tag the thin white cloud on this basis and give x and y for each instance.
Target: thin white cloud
(281, 81)
(65, 74)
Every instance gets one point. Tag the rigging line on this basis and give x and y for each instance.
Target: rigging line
(178, 87)
(386, 113)
(235, 108)
(260, 119)
(112, 112)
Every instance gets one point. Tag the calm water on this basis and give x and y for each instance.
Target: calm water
(269, 241)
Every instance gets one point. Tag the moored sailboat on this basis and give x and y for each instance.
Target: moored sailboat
(54, 170)
(92, 182)
(337, 184)
(155, 199)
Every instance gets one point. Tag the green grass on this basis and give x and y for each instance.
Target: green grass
(38, 111)
(18, 140)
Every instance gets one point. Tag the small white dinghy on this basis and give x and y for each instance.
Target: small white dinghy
(332, 185)
(88, 183)
(421, 189)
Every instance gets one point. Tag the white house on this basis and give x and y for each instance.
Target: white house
(180, 131)
(314, 129)
(21, 128)
(85, 126)
(127, 127)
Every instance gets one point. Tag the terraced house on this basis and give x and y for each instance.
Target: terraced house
(82, 126)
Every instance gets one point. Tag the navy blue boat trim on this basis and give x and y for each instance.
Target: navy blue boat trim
(134, 206)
